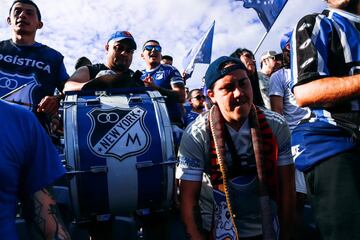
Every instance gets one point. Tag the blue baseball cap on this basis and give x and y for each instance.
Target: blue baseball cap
(285, 39)
(123, 35)
(216, 69)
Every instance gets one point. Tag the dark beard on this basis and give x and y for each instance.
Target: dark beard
(120, 68)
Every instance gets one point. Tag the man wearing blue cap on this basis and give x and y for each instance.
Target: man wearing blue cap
(30, 71)
(119, 48)
(246, 152)
(326, 144)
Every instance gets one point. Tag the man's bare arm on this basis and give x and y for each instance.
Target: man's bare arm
(43, 218)
(287, 202)
(276, 103)
(79, 78)
(327, 92)
(177, 92)
(189, 206)
(180, 90)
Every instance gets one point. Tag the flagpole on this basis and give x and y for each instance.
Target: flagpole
(267, 32)
(261, 41)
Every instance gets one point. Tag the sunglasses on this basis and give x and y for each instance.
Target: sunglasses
(120, 49)
(200, 97)
(152, 47)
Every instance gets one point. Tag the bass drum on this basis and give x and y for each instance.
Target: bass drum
(119, 152)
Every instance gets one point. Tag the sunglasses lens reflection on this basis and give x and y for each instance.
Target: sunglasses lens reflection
(150, 48)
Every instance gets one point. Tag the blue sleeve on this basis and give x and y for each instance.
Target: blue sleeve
(175, 78)
(63, 75)
(43, 165)
(310, 46)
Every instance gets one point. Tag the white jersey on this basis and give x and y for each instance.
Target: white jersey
(280, 86)
(194, 160)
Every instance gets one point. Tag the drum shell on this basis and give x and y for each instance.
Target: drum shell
(120, 180)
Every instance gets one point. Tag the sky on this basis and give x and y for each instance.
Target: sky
(81, 27)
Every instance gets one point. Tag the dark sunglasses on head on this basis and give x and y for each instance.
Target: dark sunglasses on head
(151, 47)
(200, 97)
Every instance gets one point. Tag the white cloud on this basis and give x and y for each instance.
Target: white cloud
(81, 27)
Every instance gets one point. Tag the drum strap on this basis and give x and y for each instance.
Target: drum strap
(266, 152)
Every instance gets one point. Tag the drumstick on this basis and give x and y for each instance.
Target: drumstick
(13, 91)
(19, 103)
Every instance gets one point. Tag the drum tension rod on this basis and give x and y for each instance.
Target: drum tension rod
(146, 164)
(93, 169)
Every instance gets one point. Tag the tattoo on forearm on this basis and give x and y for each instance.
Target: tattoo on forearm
(38, 221)
(60, 232)
(44, 217)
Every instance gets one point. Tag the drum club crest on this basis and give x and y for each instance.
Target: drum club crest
(118, 132)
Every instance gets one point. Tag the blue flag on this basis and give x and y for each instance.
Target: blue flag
(200, 52)
(267, 10)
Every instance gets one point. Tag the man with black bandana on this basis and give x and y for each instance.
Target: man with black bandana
(325, 67)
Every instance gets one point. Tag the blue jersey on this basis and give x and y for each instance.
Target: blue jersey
(165, 76)
(189, 117)
(29, 73)
(28, 162)
(324, 45)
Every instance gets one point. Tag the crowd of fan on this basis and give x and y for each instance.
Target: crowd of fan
(302, 103)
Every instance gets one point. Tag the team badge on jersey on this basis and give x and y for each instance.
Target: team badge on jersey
(118, 132)
(17, 88)
(159, 75)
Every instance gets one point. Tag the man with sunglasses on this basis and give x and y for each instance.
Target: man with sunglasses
(196, 99)
(119, 53)
(167, 80)
(164, 78)
(270, 63)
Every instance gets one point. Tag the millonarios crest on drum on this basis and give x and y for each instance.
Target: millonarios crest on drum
(118, 132)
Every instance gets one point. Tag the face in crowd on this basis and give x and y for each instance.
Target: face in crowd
(197, 99)
(166, 61)
(233, 95)
(119, 54)
(272, 63)
(286, 54)
(24, 19)
(152, 53)
(249, 61)
(352, 6)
